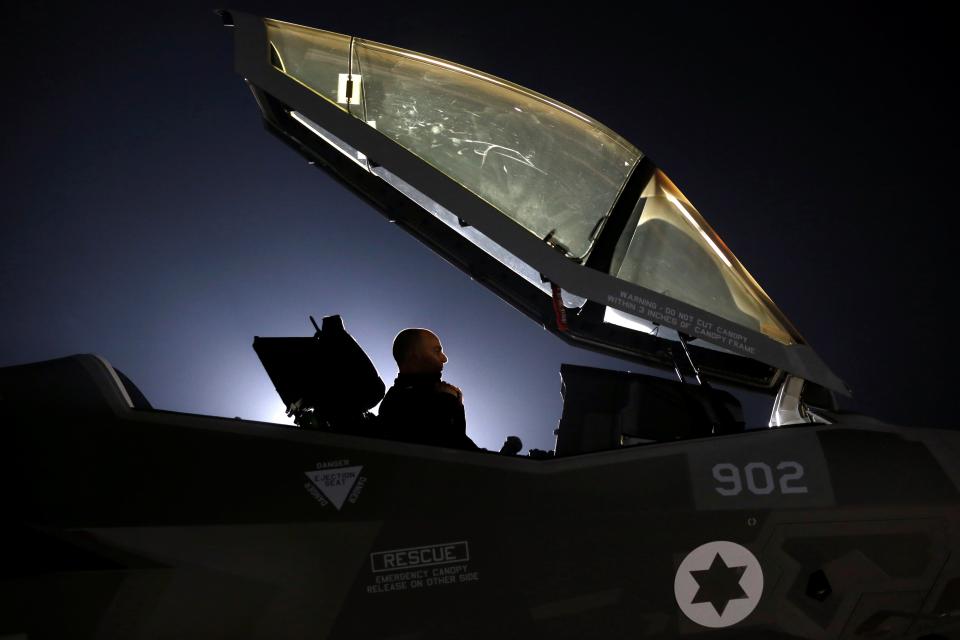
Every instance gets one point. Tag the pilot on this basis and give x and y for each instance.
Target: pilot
(420, 407)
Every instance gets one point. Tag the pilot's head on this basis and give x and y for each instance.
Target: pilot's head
(418, 351)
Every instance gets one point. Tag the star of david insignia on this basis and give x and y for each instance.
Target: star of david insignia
(718, 584)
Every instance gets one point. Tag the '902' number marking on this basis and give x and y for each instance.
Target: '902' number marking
(759, 478)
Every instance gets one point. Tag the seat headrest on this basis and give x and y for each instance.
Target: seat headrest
(329, 373)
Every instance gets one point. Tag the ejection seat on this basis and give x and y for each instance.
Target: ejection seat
(327, 381)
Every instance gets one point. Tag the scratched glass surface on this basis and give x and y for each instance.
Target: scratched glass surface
(672, 250)
(313, 57)
(551, 169)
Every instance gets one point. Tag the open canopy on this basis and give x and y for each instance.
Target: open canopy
(559, 215)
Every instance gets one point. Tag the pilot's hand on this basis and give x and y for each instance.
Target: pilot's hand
(452, 390)
(511, 446)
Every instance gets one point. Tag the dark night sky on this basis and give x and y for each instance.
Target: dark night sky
(148, 218)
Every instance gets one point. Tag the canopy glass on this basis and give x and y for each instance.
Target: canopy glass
(550, 168)
(669, 248)
(589, 196)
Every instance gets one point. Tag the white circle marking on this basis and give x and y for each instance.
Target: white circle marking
(686, 587)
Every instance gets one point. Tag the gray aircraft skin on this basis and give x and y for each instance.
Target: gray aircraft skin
(657, 516)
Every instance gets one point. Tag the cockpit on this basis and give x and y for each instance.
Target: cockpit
(328, 383)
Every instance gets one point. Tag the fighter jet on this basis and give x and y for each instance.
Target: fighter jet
(658, 514)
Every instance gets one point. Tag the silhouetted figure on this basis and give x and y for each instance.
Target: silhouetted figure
(511, 446)
(420, 407)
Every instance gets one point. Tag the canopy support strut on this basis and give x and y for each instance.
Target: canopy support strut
(686, 350)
